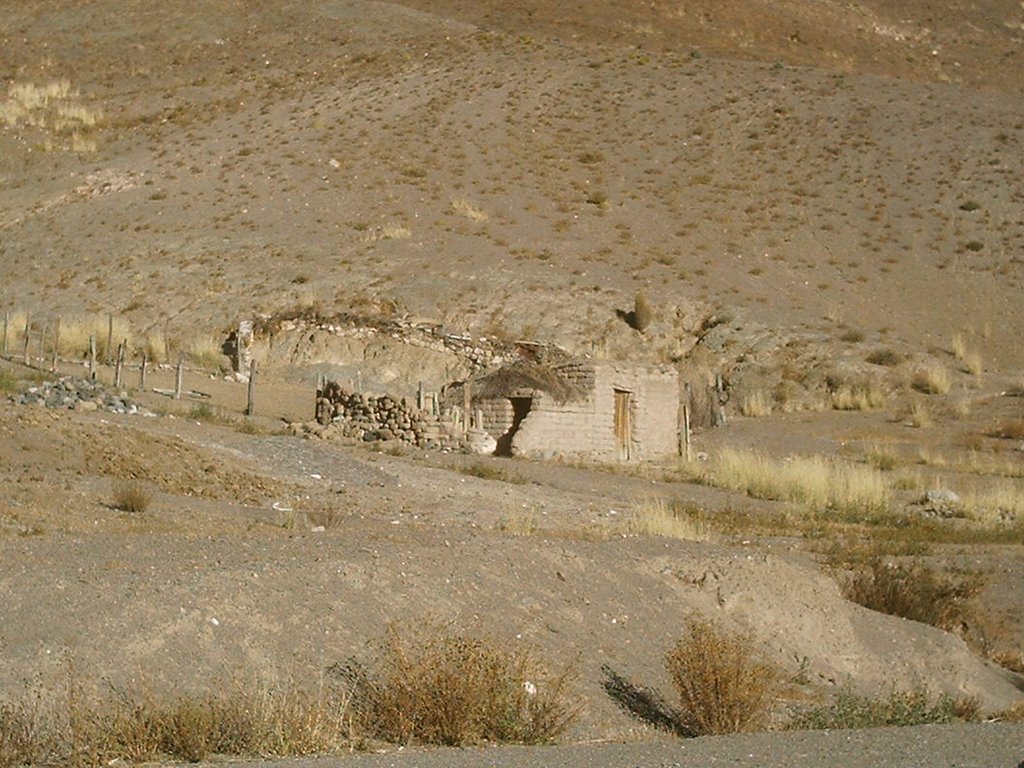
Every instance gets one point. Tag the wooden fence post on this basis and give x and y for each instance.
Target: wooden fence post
(179, 376)
(56, 345)
(7, 320)
(92, 356)
(41, 357)
(142, 373)
(686, 422)
(119, 363)
(320, 383)
(250, 408)
(110, 338)
(28, 328)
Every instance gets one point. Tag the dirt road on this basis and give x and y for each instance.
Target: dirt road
(986, 745)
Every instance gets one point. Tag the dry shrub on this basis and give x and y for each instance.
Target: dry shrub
(914, 591)
(259, 720)
(812, 481)
(849, 709)
(722, 685)
(656, 517)
(1000, 504)
(931, 380)
(75, 332)
(519, 524)
(25, 736)
(1013, 714)
(918, 415)
(882, 457)
(435, 686)
(465, 208)
(886, 357)
(89, 730)
(206, 352)
(131, 496)
(756, 405)
(974, 364)
(642, 312)
(1010, 429)
(858, 397)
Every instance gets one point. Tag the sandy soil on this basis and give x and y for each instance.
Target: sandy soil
(795, 188)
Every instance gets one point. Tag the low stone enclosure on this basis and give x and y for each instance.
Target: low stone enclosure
(597, 410)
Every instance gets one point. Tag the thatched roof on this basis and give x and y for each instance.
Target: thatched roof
(524, 375)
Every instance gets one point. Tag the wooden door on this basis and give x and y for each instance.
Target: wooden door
(623, 423)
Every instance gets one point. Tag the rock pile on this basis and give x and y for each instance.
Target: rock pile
(77, 394)
(368, 417)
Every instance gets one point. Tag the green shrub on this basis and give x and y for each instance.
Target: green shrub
(849, 709)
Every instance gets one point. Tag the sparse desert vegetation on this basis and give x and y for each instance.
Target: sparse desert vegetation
(806, 212)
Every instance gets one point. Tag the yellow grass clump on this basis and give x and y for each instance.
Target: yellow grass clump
(1001, 504)
(756, 405)
(811, 481)
(465, 208)
(656, 517)
(931, 379)
(858, 397)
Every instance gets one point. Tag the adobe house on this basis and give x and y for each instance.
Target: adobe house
(590, 409)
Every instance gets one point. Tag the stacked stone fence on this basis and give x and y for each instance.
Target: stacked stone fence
(370, 417)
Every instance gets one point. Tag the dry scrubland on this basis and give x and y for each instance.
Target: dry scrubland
(819, 202)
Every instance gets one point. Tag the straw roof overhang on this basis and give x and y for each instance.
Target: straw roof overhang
(523, 375)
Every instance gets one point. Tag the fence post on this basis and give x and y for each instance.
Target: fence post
(320, 378)
(7, 320)
(119, 364)
(56, 345)
(110, 338)
(25, 350)
(142, 373)
(179, 376)
(41, 357)
(92, 357)
(250, 408)
(686, 422)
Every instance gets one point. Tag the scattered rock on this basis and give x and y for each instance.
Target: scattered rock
(78, 394)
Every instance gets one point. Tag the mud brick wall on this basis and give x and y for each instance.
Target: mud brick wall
(586, 427)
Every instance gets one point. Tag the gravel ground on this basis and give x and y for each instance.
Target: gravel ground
(987, 745)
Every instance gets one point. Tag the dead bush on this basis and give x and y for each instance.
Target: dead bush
(131, 496)
(88, 729)
(886, 357)
(914, 591)
(1010, 429)
(24, 735)
(722, 685)
(435, 686)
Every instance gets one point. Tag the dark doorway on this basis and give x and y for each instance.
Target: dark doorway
(520, 409)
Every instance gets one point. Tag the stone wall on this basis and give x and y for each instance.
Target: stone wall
(367, 417)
